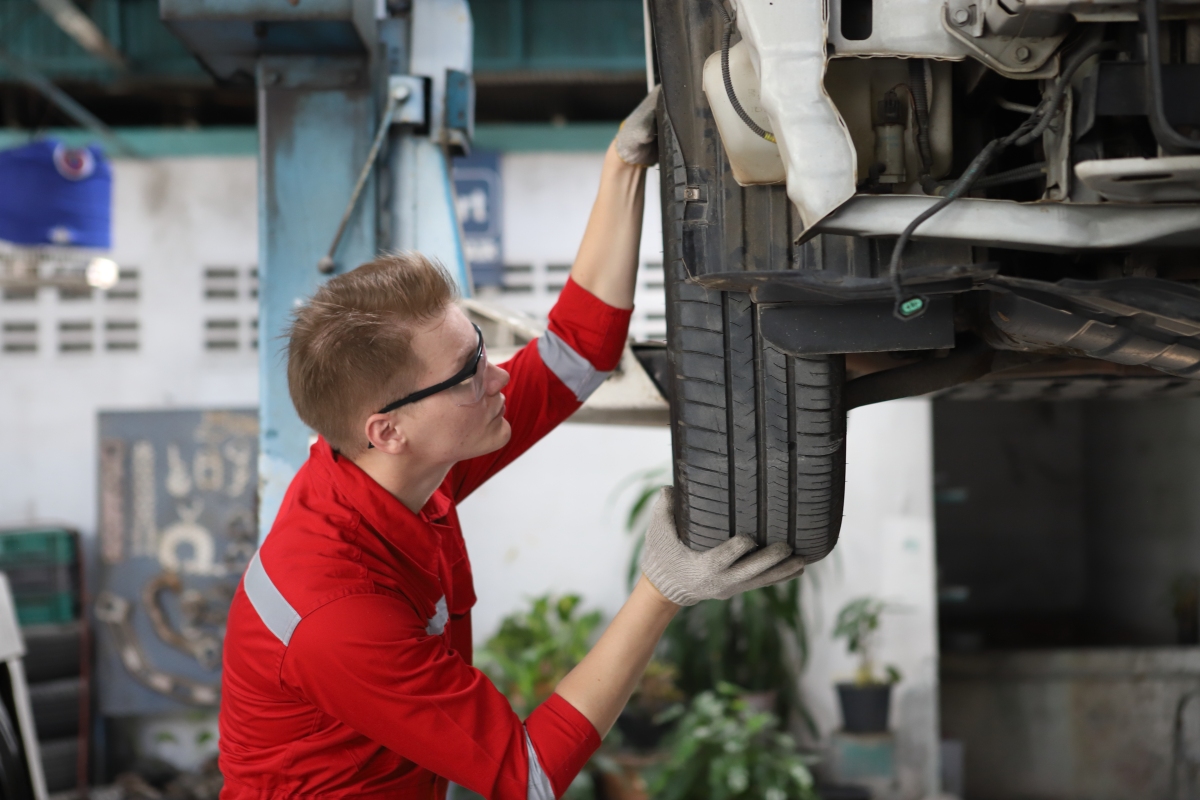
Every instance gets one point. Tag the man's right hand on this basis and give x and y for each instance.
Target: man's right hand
(685, 576)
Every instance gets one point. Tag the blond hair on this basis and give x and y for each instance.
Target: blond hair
(349, 348)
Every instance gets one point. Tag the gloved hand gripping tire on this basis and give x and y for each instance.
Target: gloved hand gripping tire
(685, 576)
(637, 139)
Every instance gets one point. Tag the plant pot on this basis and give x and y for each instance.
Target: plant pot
(865, 708)
(640, 730)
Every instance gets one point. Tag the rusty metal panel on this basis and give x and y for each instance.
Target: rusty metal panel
(178, 513)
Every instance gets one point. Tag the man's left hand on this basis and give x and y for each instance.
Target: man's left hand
(637, 140)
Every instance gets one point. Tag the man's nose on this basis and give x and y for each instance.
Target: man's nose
(497, 378)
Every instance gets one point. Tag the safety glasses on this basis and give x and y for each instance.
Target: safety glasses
(475, 371)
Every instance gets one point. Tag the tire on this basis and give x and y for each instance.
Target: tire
(759, 436)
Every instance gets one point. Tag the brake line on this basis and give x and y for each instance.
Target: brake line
(737, 106)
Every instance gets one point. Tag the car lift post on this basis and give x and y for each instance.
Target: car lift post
(324, 71)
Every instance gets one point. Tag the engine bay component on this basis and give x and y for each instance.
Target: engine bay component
(1010, 36)
(1048, 227)
(863, 327)
(1143, 180)
(1022, 323)
(787, 41)
(753, 159)
(890, 125)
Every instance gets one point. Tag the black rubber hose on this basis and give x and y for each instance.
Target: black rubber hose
(908, 308)
(916, 85)
(737, 106)
(1169, 138)
(1049, 106)
(1018, 175)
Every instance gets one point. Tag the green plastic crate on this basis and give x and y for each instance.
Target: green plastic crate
(22, 547)
(45, 609)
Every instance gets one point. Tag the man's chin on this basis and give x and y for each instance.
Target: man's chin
(497, 436)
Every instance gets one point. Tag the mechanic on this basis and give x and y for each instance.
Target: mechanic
(347, 665)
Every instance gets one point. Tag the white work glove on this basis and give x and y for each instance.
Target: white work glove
(685, 576)
(637, 139)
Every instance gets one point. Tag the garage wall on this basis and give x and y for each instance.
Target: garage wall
(1010, 523)
(1142, 466)
(1062, 530)
(173, 219)
(886, 550)
(549, 523)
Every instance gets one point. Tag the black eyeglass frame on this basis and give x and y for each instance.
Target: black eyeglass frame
(466, 372)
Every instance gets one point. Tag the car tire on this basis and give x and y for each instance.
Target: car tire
(759, 437)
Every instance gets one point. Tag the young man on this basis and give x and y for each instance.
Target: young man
(348, 650)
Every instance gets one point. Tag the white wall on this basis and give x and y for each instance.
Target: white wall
(171, 219)
(547, 199)
(551, 521)
(547, 523)
(886, 550)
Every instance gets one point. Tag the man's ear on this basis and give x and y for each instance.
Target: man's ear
(386, 435)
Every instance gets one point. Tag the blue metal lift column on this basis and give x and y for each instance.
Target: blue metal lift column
(316, 117)
(324, 70)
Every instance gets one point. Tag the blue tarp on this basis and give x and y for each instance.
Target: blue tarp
(51, 194)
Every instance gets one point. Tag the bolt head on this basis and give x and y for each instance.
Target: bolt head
(1023, 54)
(961, 16)
(400, 92)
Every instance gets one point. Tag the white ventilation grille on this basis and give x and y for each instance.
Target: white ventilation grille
(128, 286)
(220, 283)
(532, 289)
(222, 334)
(75, 336)
(20, 336)
(121, 335)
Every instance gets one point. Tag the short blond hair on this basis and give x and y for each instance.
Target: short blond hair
(349, 348)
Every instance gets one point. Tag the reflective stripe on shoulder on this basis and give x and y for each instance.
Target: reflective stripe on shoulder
(437, 623)
(539, 787)
(571, 368)
(275, 611)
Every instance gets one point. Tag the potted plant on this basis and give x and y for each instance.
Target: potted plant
(533, 650)
(646, 718)
(530, 653)
(867, 699)
(723, 749)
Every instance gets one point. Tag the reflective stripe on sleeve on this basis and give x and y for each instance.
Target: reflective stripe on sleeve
(275, 611)
(437, 623)
(539, 782)
(571, 368)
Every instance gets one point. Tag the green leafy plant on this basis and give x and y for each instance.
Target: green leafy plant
(723, 749)
(534, 649)
(858, 624)
(757, 640)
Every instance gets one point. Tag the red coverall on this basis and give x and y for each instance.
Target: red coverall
(347, 667)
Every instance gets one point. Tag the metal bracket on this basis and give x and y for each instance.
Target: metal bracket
(412, 109)
(1018, 57)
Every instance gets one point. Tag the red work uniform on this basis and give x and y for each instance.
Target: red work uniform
(347, 667)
